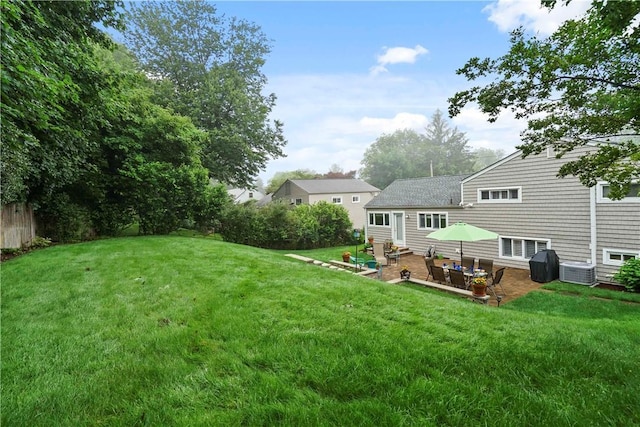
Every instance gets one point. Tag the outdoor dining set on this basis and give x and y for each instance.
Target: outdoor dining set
(463, 275)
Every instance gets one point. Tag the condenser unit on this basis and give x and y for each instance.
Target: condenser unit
(581, 273)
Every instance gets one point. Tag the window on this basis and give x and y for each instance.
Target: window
(432, 220)
(522, 248)
(379, 218)
(251, 195)
(336, 199)
(296, 201)
(355, 199)
(500, 195)
(618, 256)
(632, 196)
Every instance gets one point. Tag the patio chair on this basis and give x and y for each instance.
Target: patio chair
(430, 252)
(438, 274)
(428, 261)
(468, 262)
(486, 265)
(496, 282)
(457, 279)
(394, 255)
(378, 253)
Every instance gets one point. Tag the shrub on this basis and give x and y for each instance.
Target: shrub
(334, 225)
(629, 275)
(65, 220)
(208, 213)
(280, 226)
(40, 242)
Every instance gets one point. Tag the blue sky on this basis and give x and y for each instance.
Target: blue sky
(346, 73)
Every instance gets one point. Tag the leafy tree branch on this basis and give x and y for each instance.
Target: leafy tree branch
(576, 87)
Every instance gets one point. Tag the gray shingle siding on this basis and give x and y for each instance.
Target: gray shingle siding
(560, 210)
(552, 208)
(411, 196)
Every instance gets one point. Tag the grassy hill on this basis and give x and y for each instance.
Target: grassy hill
(186, 331)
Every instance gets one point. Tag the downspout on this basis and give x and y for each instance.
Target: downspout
(593, 227)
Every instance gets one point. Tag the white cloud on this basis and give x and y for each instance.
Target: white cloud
(333, 119)
(510, 14)
(397, 55)
(503, 134)
(381, 125)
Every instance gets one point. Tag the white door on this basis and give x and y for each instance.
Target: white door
(397, 228)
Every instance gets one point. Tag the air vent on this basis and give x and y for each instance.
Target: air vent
(581, 273)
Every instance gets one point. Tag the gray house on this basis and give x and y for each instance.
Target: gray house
(530, 208)
(352, 194)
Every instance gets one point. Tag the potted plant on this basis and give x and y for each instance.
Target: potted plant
(479, 286)
(405, 273)
(370, 240)
(346, 256)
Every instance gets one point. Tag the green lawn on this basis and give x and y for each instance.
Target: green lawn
(184, 331)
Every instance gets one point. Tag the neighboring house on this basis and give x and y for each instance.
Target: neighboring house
(241, 195)
(530, 208)
(265, 200)
(352, 194)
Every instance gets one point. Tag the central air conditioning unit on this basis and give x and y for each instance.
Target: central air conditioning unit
(581, 273)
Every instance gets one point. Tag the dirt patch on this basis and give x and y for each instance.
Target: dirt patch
(611, 287)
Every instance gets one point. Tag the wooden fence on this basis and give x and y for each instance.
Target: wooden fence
(18, 226)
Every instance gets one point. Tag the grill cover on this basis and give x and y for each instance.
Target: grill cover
(544, 266)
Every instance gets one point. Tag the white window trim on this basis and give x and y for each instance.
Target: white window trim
(521, 258)
(336, 197)
(381, 213)
(518, 200)
(446, 214)
(601, 199)
(355, 198)
(606, 255)
(551, 153)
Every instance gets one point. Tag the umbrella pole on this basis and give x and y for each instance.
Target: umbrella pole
(460, 253)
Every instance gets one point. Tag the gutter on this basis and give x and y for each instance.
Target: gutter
(593, 245)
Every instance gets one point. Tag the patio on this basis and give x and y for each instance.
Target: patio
(516, 282)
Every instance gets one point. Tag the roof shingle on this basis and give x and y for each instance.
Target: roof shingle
(437, 191)
(324, 186)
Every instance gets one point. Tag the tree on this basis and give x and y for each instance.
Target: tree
(446, 149)
(579, 85)
(280, 177)
(408, 154)
(49, 87)
(485, 157)
(394, 156)
(336, 172)
(147, 165)
(208, 68)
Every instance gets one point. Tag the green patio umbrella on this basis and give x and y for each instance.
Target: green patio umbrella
(464, 233)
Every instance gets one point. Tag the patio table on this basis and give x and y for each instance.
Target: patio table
(468, 275)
